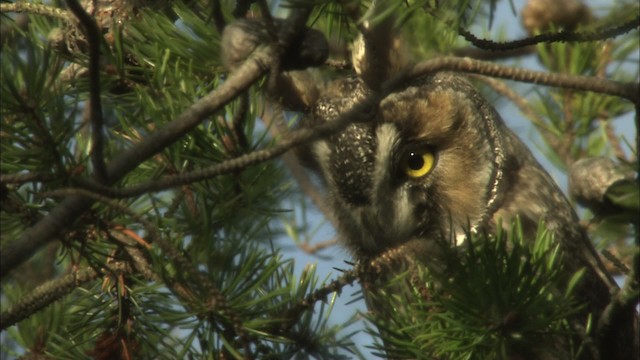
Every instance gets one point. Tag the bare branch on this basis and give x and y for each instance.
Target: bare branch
(483, 54)
(93, 35)
(561, 36)
(626, 90)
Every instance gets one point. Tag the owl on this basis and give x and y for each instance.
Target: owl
(433, 163)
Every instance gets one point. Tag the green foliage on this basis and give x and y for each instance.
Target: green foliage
(497, 301)
(220, 225)
(144, 302)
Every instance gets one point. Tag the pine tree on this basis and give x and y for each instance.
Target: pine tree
(149, 199)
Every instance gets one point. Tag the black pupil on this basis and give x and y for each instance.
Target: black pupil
(415, 161)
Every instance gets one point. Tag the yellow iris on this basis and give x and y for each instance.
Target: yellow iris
(418, 163)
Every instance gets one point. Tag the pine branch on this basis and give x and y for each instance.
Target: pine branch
(561, 36)
(215, 301)
(359, 112)
(16, 252)
(627, 90)
(27, 7)
(248, 73)
(49, 292)
(93, 37)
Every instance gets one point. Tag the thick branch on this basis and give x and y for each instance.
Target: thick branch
(561, 36)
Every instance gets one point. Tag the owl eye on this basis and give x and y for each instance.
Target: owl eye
(418, 162)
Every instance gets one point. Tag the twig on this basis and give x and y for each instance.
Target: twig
(614, 141)
(27, 7)
(291, 316)
(626, 90)
(361, 271)
(312, 249)
(44, 295)
(360, 112)
(616, 262)
(561, 36)
(93, 35)
(483, 54)
(26, 177)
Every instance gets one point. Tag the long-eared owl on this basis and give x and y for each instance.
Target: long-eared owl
(434, 163)
(431, 164)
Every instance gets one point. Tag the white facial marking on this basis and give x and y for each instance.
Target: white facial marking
(387, 136)
(394, 211)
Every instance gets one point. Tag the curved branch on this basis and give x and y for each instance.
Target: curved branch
(359, 112)
(630, 91)
(561, 36)
(626, 90)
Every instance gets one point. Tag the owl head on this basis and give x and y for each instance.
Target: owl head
(426, 165)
